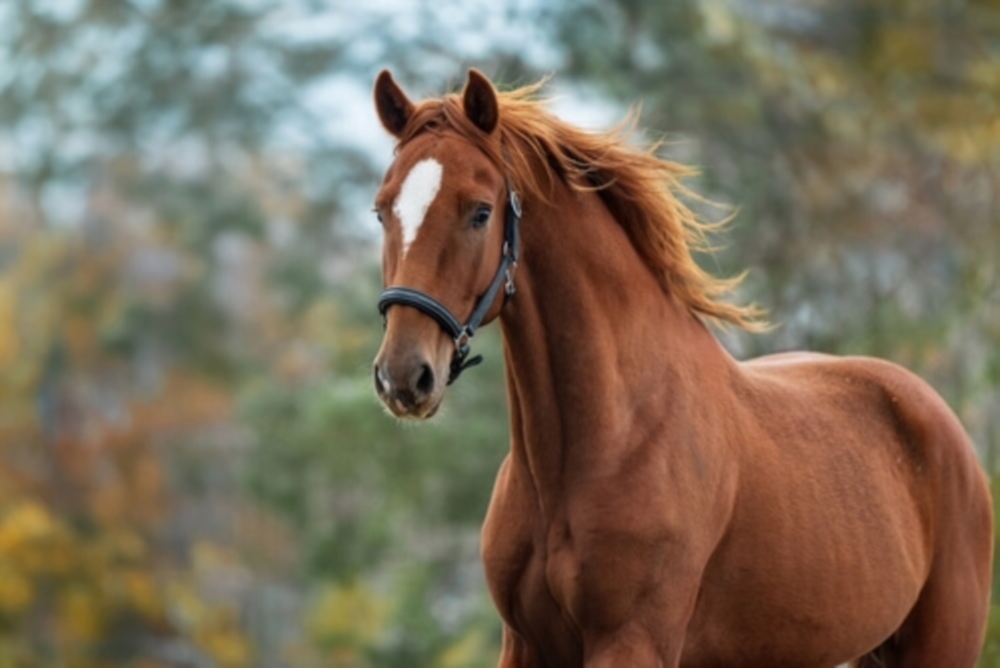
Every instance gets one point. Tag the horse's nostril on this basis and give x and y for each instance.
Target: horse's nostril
(379, 385)
(425, 381)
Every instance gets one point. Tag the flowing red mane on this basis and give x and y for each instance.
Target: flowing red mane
(639, 188)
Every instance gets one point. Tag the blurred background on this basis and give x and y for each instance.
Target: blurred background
(194, 470)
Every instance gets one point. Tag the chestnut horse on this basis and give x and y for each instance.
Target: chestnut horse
(662, 504)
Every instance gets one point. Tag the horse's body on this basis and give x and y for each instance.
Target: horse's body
(663, 504)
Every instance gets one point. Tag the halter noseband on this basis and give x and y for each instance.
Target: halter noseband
(462, 333)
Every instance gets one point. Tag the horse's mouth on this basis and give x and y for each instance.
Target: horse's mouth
(422, 411)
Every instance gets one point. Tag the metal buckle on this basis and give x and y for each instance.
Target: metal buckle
(508, 287)
(515, 203)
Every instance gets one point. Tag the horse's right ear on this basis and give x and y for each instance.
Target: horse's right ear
(394, 108)
(480, 101)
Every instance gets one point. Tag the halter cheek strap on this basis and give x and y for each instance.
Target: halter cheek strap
(461, 333)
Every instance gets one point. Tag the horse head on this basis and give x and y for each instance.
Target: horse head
(448, 214)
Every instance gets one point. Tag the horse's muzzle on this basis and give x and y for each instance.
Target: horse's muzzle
(407, 387)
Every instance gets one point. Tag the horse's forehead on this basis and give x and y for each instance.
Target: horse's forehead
(460, 160)
(419, 189)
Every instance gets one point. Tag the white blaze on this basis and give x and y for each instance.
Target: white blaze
(419, 189)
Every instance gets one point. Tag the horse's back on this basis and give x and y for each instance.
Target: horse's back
(855, 392)
(856, 478)
(889, 412)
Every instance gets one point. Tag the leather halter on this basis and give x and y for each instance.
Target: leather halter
(461, 333)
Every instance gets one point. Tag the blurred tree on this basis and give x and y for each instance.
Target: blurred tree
(175, 237)
(84, 490)
(132, 258)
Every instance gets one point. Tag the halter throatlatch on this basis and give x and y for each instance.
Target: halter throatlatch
(461, 333)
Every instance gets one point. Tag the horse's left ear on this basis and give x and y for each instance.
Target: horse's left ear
(480, 102)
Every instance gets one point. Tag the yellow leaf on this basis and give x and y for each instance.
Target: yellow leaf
(26, 522)
(143, 594)
(470, 650)
(80, 614)
(16, 591)
(8, 325)
(347, 615)
(227, 646)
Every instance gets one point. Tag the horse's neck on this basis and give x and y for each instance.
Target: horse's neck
(598, 358)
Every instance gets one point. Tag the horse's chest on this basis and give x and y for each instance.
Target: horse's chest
(551, 579)
(532, 588)
(531, 578)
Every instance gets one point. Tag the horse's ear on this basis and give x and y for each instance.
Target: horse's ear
(480, 102)
(394, 108)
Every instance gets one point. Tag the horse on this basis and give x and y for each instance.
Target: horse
(661, 503)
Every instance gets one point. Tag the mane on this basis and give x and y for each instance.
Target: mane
(639, 188)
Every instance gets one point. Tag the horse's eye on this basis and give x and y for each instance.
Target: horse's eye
(481, 217)
(378, 214)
